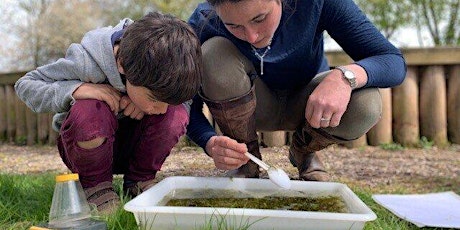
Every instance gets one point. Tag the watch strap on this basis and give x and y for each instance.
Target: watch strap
(351, 80)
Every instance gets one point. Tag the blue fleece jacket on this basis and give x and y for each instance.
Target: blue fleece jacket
(297, 50)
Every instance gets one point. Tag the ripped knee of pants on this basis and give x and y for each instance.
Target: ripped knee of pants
(91, 144)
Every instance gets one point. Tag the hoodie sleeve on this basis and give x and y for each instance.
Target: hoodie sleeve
(49, 88)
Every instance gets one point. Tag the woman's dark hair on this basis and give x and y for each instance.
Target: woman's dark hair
(163, 54)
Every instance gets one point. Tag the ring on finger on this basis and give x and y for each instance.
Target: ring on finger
(324, 119)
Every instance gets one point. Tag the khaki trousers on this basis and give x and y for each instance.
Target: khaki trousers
(229, 74)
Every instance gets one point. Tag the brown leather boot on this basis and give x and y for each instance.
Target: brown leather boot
(236, 119)
(250, 169)
(302, 153)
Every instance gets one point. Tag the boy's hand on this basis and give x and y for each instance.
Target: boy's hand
(130, 109)
(227, 153)
(101, 92)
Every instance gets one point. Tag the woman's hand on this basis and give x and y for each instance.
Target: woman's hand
(130, 109)
(101, 92)
(328, 102)
(227, 153)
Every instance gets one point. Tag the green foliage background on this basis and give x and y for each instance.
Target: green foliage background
(45, 28)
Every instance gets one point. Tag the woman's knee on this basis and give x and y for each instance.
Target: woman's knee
(368, 104)
(225, 70)
(363, 113)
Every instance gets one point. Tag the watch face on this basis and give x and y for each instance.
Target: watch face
(349, 75)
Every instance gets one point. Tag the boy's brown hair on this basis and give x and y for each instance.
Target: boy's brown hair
(163, 54)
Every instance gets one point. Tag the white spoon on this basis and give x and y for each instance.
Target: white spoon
(277, 176)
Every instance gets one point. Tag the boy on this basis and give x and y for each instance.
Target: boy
(121, 101)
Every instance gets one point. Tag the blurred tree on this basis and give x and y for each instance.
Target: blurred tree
(181, 8)
(64, 23)
(28, 31)
(115, 10)
(387, 15)
(441, 18)
(45, 28)
(135, 9)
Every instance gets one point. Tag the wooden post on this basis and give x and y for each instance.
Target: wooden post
(31, 123)
(3, 124)
(433, 111)
(10, 113)
(289, 135)
(208, 116)
(276, 138)
(406, 128)
(52, 135)
(207, 113)
(217, 128)
(21, 127)
(381, 133)
(360, 142)
(43, 126)
(453, 105)
(260, 138)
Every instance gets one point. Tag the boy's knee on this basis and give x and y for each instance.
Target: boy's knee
(179, 116)
(172, 123)
(88, 119)
(91, 144)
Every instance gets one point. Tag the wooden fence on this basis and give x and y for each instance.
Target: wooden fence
(427, 104)
(19, 124)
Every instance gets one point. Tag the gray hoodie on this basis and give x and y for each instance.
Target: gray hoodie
(49, 88)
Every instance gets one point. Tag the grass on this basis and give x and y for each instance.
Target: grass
(25, 201)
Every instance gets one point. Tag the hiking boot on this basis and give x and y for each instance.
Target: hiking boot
(133, 189)
(250, 169)
(302, 152)
(103, 197)
(311, 167)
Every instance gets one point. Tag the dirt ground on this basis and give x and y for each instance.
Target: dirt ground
(417, 170)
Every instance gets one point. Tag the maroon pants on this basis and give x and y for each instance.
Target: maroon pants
(135, 148)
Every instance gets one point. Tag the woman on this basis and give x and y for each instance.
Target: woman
(265, 70)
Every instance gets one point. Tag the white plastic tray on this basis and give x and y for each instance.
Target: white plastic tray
(150, 212)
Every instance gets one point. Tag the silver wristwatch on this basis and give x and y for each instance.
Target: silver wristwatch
(349, 76)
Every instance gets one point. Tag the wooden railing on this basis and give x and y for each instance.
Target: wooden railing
(427, 104)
